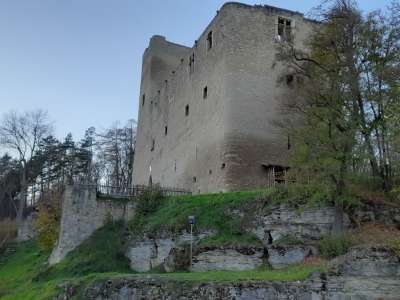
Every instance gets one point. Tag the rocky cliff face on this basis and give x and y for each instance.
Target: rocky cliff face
(271, 227)
(363, 273)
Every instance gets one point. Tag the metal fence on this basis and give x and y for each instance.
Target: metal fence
(136, 190)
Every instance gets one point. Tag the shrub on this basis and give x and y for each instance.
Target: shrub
(149, 201)
(288, 240)
(8, 231)
(394, 245)
(297, 193)
(47, 223)
(335, 245)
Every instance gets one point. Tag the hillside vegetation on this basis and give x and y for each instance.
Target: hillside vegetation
(26, 275)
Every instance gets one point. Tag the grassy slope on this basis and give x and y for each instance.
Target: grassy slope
(26, 276)
(211, 214)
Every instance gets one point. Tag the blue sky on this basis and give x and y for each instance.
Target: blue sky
(81, 59)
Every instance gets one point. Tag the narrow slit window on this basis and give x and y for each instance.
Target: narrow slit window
(143, 99)
(205, 92)
(209, 40)
(289, 79)
(187, 110)
(165, 130)
(153, 144)
(191, 63)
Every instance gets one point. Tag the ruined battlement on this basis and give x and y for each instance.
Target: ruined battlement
(206, 111)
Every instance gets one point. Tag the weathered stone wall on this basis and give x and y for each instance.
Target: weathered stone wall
(82, 214)
(26, 230)
(224, 141)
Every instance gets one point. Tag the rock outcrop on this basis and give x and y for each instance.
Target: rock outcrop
(282, 256)
(370, 273)
(227, 259)
(305, 224)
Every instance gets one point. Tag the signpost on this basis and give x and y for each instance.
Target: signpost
(192, 221)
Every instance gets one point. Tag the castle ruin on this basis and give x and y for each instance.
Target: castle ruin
(205, 112)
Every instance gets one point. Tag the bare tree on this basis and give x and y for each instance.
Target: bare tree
(116, 147)
(22, 133)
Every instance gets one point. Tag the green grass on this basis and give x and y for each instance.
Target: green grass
(102, 252)
(27, 276)
(19, 277)
(231, 240)
(210, 211)
(288, 240)
(293, 273)
(17, 274)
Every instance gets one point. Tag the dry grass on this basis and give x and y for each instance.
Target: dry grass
(373, 196)
(315, 261)
(8, 231)
(374, 233)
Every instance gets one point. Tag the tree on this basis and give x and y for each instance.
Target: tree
(9, 186)
(116, 147)
(347, 89)
(22, 133)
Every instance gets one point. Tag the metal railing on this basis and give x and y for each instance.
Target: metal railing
(136, 190)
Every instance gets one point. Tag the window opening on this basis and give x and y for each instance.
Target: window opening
(209, 40)
(285, 29)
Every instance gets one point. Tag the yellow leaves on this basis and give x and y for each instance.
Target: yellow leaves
(48, 219)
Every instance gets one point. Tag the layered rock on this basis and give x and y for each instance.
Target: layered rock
(305, 224)
(280, 257)
(227, 259)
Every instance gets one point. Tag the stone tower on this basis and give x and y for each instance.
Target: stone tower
(205, 112)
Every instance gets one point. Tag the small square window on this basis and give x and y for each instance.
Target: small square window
(187, 110)
(205, 92)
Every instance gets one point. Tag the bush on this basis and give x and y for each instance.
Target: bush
(8, 231)
(288, 240)
(149, 201)
(335, 245)
(47, 223)
(394, 245)
(297, 193)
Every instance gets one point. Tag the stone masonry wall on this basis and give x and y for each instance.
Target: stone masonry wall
(229, 132)
(82, 214)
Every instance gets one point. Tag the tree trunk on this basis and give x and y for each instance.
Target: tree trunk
(23, 194)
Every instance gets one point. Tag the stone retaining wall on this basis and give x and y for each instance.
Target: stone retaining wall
(82, 214)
